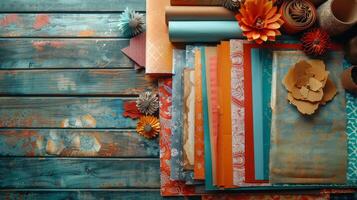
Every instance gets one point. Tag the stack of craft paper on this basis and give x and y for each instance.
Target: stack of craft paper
(201, 24)
(238, 142)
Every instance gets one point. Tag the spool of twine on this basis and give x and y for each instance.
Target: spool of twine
(298, 15)
(337, 16)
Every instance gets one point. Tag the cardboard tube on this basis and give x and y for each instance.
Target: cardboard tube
(337, 16)
(198, 13)
(348, 79)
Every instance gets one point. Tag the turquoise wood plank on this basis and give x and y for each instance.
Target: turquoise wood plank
(25, 53)
(70, 5)
(89, 195)
(76, 143)
(60, 25)
(18, 172)
(63, 112)
(75, 82)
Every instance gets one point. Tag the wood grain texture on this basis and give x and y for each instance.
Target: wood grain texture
(75, 82)
(88, 195)
(78, 173)
(26, 53)
(60, 25)
(63, 112)
(70, 5)
(76, 143)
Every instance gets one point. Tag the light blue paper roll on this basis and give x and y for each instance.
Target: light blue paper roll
(203, 31)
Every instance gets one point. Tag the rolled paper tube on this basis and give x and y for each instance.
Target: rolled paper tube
(337, 16)
(349, 79)
(198, 13)
(298, 15)
(203, 31)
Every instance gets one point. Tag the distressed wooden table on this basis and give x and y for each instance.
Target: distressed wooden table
(63, 80)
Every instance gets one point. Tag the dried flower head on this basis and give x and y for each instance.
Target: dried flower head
(148, 103)
(259, 20)
(316, 42)
(131, 23)
(148, 126)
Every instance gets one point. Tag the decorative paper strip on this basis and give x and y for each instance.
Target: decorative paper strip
(237, 106)
(199, 170)
(209, 176)
(158, 45)
(198, 13)
(168, 187)
(212, 85)
(266, 197)
(188, 118)
(196, 2)
(351, 130)
(203, 31)
(307, 149)
(179, 60)
(211, 54)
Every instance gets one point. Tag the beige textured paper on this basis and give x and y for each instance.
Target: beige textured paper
(158, 45)
(188, 119)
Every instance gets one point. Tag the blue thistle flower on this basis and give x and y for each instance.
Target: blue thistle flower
(131, 23)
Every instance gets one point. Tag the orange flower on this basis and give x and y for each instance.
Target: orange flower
(259, 20)
(148, 126)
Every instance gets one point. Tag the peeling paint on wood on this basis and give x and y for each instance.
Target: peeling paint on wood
(60, 25)
(63, 112)
(70, 5)
(76, 143)
(76, 81)
(63, 53)
(79, 173)
(89, 195)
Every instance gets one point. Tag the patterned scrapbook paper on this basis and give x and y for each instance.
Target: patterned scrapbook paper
(351, 110)
(237, 106)
(199, 170)
(168, 186)
(188, 118)
(266, 197)
(179, 59)
(307, 149)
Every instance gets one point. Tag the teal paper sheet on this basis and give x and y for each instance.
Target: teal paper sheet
(203, 31)
(208, 157)
(261, 84)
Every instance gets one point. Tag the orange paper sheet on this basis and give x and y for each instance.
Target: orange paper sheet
(158, 45)
(225, 169)
(199, 170)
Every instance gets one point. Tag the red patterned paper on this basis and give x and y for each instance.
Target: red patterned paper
(266, 197)
(168, 187)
